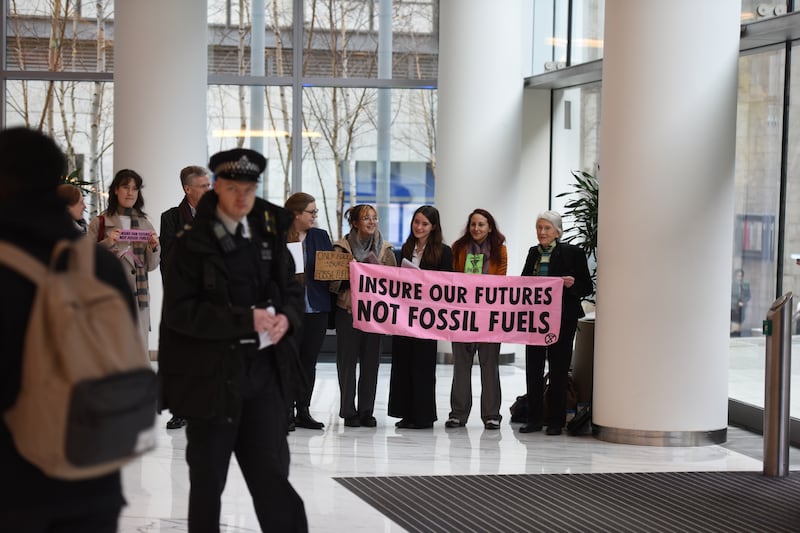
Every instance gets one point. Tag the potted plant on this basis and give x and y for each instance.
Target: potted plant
(581, 211)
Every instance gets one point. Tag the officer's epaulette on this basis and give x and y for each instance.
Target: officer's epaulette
(270, 221)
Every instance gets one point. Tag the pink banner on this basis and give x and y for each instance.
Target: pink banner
(452, 306)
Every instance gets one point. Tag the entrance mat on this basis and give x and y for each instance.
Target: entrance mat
(654, 501)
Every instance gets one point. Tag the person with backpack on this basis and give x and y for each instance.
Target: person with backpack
(227, 352)
(33, 218)
(138, 250)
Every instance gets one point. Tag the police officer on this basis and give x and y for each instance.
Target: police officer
(230, 305)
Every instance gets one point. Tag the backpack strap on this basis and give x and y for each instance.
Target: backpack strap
(80, 256)
(101, 230)
(22, 262)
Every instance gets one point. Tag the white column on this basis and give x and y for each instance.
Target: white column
(160, 78)
(480, 108)
(666, 210)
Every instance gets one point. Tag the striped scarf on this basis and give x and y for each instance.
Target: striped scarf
(139, 251)
(543, 266)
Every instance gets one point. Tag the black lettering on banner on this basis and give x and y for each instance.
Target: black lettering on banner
(379, 312)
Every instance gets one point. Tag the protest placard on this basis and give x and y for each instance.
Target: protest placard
(332, 266)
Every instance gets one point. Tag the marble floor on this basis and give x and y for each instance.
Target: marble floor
(156, 486)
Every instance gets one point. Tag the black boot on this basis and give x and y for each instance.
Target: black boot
(290, 425)
(304, 419)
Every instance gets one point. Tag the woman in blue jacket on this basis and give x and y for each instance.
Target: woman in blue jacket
(317, 299)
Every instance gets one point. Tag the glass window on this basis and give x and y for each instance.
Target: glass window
(549, 35)
(756, 206)
(71, 109)
(342, 38)
(576, 137)
(235, 49)
(341, 147)
(587, 31)
(58, 36)
(259, 118)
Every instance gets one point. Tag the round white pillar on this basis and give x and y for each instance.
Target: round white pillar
(480, 110)
(666, 211)
(160, 79)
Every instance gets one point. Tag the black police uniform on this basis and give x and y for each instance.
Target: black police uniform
(212, 372)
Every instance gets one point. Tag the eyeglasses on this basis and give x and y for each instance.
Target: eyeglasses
(369, 219)
(311, 212)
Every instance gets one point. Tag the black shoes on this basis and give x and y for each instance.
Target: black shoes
(530, 428)
(305, 420)
(453, 423)
(352, 422)
(365, 421)
(176, 422)
(551, 430)
(408, 424)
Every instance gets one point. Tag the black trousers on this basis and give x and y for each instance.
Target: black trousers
(258, 438)
(559, 357)
(412, 385)
(315, 326)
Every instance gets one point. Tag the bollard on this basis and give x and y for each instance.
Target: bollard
(778, 330)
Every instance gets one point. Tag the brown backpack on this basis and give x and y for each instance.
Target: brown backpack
(87, 398)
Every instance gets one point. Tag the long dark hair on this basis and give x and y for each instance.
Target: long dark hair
(122, 178)
(433, 248)
(495, 238)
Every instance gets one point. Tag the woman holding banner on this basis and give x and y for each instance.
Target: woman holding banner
(481, 250)
(124, 229)
(412, 386)
(317, 299)
(354, 346)
(554, 258)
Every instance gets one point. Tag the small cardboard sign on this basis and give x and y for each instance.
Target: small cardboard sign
(332, 266)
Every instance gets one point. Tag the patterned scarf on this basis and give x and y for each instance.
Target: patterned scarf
(474, 249)
(139, 251)
(362, 249)
(543, 266)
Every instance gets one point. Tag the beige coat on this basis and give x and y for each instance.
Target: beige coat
(152, 258)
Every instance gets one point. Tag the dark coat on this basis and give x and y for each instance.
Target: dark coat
(173, 220)
(566, 260)
(201, 361)
(35, 226)
(318, 292)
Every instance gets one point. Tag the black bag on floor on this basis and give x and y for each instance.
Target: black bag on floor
(519, 409)
(581, 423)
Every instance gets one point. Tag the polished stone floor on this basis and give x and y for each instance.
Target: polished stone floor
(156, 486)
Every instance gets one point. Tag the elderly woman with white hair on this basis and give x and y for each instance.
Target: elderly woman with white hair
(555, 259)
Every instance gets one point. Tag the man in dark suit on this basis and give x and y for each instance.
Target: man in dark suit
(225, 356)
(33, 218)
(195, 182)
